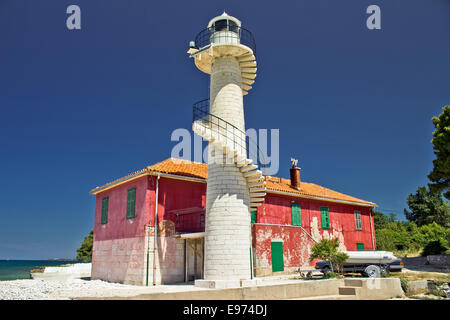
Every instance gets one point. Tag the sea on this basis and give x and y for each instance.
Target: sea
(20, 269)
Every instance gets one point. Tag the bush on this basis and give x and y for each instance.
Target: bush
(407, 237)
(84, 252)
(327, 249)
(434, 247)
(404, 284)
(431, 232)
(330, 275)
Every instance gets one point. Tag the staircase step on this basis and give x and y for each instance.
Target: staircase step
(247, 57)
(244, 162)
(258, 190)
(249, 168)
(347, 291)
(353, 283)
(330, 297)
(249, 70)
(251, 76)
(248, 81)
(252, 173)
(255, 180)
(261, 184)
(257, 194)
(248, 64)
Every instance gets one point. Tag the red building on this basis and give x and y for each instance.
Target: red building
(128, 249)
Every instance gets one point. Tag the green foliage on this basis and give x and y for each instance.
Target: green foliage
(430, 232)
(381, 220)
(434, 247)
(330, 275)
(426, 207)
(404, 284)
(440, 175)
(393, 237)
(84, 253)
(405, 237)
(328, 250)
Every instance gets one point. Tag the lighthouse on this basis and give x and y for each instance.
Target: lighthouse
(236, 187)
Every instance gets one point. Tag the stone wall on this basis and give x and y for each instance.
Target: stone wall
(441, 260)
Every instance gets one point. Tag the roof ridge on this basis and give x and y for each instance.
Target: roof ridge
(188, 168)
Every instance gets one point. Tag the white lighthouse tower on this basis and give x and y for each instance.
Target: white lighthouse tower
(235, 186)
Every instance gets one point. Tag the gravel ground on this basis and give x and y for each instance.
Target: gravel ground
(57, 289)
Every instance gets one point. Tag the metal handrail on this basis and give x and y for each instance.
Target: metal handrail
(230, 34)
(225, 129)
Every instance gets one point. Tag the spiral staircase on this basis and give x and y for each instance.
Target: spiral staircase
(225, 136)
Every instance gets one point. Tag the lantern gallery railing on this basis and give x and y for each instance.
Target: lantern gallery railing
(225, 131)
(227, 34)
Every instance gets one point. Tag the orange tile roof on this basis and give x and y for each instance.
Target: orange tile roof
(199, 170)
(181, 168)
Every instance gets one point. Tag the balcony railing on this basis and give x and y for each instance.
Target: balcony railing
(227, 35)
(234, 137)
(188, 223)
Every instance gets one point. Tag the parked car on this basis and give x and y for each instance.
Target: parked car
(368, 263)
(397, 265)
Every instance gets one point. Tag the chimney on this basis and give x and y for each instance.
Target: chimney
(295, 174)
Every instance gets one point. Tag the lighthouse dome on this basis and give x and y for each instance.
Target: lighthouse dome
(224, 22)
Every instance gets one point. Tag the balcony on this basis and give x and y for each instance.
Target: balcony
(225, 34)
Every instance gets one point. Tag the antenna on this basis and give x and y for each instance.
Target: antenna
(294, 162)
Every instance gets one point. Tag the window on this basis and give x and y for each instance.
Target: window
(131, 203)
(358, 224)
(325, 218)
(360, 246)
(296, 214)
(104, 219)
(253, 216)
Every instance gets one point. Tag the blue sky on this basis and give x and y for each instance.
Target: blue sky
(81, 108)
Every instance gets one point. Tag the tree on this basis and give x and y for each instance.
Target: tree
(84, 253)
(393, 237)
(381, 220)
(440, 175)
(427, 207)
(328, 250)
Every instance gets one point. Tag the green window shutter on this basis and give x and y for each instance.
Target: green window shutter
(296, 214)
(358, 224)
(277, 256)
(104, 218)
(253, 216)
(360, 246)
(131, 203)
(325, 218)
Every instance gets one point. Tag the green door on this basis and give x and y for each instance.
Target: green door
(253, 216)
(277, 256)
(360, 246)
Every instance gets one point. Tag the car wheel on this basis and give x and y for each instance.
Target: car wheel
(373, 271)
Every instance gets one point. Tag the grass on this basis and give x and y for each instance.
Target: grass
(407, 253)
(413, 276)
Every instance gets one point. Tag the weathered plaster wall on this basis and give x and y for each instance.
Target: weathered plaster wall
(277, 210)
(119, 260)
(274, 221)
(120, 247)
